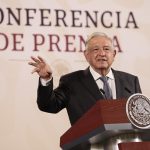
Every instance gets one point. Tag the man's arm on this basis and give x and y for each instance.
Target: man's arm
(48, 100)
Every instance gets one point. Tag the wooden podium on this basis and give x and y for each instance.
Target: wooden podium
(105, 125)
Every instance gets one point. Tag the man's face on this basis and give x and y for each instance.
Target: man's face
(100, 53)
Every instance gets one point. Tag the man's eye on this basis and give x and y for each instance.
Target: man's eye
(95, 50)
(107, 49)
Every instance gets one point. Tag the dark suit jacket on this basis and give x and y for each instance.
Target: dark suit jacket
(78, 92)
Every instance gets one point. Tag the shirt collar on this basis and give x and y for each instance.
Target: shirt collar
(96, 76)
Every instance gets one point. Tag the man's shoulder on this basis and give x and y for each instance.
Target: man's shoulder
(123, 74)
(73, 77)
(74, 74)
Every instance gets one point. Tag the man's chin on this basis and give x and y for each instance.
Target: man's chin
(103, 67)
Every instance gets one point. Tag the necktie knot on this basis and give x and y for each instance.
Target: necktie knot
(104, 78)
(106, 87)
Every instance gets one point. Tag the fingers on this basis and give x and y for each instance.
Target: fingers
(35, 63)
(38, 59)
(41, 67)
(32, 64)
(41, 59)
(35, 59)
(35, 70)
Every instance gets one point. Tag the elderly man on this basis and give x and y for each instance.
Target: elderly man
(78, 91)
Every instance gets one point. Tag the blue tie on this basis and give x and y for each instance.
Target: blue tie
(106, 87)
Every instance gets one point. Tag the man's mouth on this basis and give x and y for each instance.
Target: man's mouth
(102, 59)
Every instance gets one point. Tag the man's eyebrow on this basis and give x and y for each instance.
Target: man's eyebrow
(107, 46)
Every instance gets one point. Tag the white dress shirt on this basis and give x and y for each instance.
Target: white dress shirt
(111, 81)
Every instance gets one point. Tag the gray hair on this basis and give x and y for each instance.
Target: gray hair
(97, 34)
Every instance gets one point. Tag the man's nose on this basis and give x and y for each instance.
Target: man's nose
(101, 52)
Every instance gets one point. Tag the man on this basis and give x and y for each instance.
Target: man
(79, 91)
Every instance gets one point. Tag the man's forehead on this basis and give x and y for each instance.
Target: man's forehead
(100, 41)
(100, 38)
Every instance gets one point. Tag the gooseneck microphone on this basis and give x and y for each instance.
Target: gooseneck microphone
(103, 93)
(128, 90)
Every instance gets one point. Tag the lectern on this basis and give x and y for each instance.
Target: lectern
(105, 125)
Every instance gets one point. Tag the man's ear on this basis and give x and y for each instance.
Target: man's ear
(86, 54)
(115, 52)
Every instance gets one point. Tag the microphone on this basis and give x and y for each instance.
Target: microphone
(128, 90)
(103, 93)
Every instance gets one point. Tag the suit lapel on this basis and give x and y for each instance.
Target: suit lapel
(118, 84)
(121, 86)
(90, 84)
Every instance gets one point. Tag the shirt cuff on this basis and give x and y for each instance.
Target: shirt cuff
(45, 82)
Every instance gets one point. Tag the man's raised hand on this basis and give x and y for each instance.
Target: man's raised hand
(41, 67)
